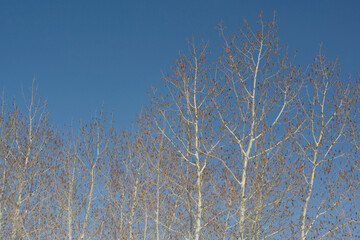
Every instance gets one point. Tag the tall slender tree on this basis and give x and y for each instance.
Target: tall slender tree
(329, 167)
(257, 87)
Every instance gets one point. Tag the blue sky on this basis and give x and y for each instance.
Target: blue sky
(85, 53)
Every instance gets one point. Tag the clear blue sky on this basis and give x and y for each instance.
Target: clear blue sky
(85, 53)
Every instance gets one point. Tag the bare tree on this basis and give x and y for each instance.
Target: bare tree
(248, 146)
(156, 197)
(184, 118)
(255, 107)
(125, 186)
(28, 153)
(9, 123)
(329, 167)
(80, 179)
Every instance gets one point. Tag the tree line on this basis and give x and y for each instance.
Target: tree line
(248, 146)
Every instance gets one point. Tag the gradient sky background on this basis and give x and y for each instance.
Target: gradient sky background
(85, 53)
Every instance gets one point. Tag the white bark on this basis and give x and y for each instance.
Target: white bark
(70, 199)
(199, 167)
(17, 218)
(133, 206)
(89, 201)
(248, 151)
(308, 197)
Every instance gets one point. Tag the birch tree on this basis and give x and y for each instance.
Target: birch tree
(159, 194)
(8, 123)
(329, 168)
(246, 146)
(28, 154)
(80, 179)
(257, 86)
(126, 184)
(186, 114)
